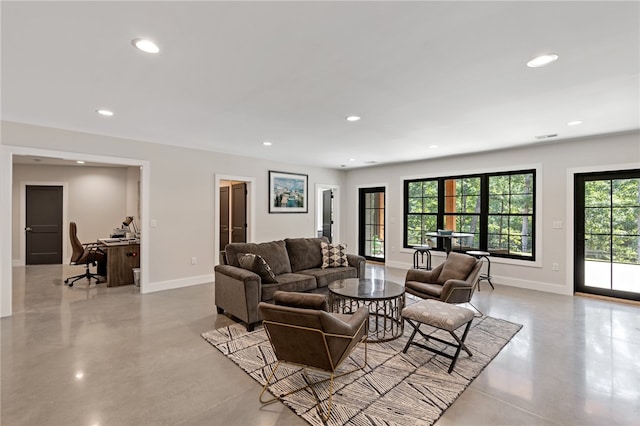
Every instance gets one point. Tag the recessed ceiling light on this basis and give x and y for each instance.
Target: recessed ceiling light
(353, 118)
(574, 123)
(105, 112)
(267, 143)
(542, 60)
(352, 159)
(80, 162)
(145, 45)
(433, 146)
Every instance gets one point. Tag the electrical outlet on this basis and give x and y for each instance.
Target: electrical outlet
(555, 267)
(154, 223)
(194, 260)
(557, 224)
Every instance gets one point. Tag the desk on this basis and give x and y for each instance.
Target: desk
(122, 257)
(446, 238)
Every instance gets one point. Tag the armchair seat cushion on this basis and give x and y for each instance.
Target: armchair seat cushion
(424, 289)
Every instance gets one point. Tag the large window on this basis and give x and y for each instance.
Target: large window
(498, 209)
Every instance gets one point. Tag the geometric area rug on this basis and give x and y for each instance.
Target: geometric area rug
(393, 389)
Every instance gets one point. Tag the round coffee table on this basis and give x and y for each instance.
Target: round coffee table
(385, 300)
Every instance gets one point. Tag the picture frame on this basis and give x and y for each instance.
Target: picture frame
(288, 192)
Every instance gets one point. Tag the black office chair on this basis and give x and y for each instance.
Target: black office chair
(84, 254)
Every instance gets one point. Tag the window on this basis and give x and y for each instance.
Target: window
(497, 208)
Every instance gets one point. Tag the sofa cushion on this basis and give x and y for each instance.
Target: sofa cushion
(456, 267)
(334, 255)
(304, 253)
(288, 282)
(324, 277)
(273, 252)
(255, 263)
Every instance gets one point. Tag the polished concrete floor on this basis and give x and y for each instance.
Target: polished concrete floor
(102, 356)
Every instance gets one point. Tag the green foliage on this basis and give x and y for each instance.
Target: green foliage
(612, 220)
(510, 210)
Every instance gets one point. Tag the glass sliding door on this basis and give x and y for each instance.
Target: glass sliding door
(371, 224)
(607, 237)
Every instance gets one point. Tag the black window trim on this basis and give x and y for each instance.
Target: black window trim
(484, 208)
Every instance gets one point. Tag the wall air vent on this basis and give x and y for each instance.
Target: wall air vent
(540, 137)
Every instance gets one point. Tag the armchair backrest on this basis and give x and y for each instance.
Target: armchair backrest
(310, 337)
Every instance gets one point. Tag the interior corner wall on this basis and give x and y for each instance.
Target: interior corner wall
(554, 161)
(96, 201)
(181, 197)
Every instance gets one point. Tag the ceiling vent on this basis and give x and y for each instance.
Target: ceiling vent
(552, 135)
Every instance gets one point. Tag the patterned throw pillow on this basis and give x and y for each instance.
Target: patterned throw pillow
(334, 255)
(255, 263)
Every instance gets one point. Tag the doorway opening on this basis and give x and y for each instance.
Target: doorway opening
(233, 212)
(11, 154)
(327, 212)
(234, 216)
(607, 234)
(371, 233)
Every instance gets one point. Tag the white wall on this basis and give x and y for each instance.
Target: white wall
(556, 163)
(181, 185)
(96, 199)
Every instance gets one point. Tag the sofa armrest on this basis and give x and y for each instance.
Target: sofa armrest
(358, 262)
(238, 291)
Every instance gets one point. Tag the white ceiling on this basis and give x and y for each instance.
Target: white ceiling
(233, 74)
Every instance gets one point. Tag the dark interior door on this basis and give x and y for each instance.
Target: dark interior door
(44, 225)
(327, 213)
(239, 213)
(224, 217)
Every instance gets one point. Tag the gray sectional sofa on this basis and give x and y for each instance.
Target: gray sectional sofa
(296, 263)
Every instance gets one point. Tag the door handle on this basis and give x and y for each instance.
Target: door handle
(28, 228)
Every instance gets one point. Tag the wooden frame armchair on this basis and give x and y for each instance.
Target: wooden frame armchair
(303, 333)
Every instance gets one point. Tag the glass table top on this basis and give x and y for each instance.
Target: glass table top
(366, 288)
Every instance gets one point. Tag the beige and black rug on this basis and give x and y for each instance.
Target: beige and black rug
(394, 388)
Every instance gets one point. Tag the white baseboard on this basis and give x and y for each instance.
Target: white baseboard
(17, 262)
(509, 281)
(179, 283)
(533, 285)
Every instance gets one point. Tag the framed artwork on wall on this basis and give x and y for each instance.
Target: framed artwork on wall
(287, 192)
